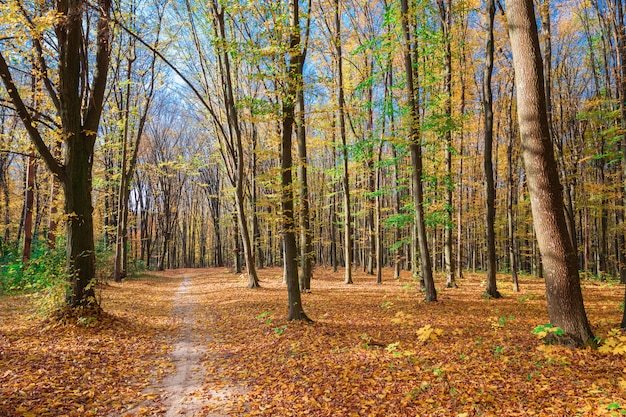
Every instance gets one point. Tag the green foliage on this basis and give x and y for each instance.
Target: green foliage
(45, 269)
(503, 320)
(279, 331)
(543, 329)
(265, 317)
(398, 220)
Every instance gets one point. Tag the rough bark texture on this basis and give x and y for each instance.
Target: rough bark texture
(80, 118)
(563, 292)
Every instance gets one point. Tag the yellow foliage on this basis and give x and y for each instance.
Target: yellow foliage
(427, 332)
(614, 344)
(401, 317)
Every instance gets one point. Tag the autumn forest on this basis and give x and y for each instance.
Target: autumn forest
(334, 185)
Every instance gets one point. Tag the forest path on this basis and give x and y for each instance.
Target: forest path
(181, 390)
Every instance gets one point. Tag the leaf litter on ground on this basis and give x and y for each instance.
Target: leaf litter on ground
(373, 350)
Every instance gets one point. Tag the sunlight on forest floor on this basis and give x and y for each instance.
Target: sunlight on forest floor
(374, 350)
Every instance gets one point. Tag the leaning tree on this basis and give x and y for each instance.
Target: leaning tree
(563, 292)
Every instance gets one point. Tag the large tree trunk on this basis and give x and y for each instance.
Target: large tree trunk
(563, 292)
(80, 118)
(490, 190)
(79, 228)
(415, 141)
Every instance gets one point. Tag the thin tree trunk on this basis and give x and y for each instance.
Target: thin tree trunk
(621, 46)
(237, 246)
(256, 228)
(306, 232)
(333, 212)
(29, 198)
(510, 197)
(445, 12)
(342, 133)
(490, 190)
(415, 141)
(52, 221)
(235, 149)
(118, 271)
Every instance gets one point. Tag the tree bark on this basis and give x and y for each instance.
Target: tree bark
(621, 46)
(510, 197)
(235, 148)
(415, 141)
(564, 296)
(80, 118)
(29, 199)
(294, 67)
(490, 190)
(306, 233)
(347, 247)
(445, 14)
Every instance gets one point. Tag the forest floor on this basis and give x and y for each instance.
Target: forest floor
(198, 342)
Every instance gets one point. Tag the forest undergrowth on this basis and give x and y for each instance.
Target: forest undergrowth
(373, 350)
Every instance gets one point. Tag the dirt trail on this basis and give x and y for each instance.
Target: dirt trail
(182, 390)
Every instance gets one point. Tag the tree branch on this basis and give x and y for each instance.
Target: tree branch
(54, 166)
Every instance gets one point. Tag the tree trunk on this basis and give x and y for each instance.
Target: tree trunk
(235, 147)
(415, 141)
(445, 13)
(6, 209)
(564, 296)
(621, 46)
(306, 233)
(342, 133)
(118, 271)
(510, 198)
(256, 231)
(294, 68)
(80, 118)
(29, 198)
(236, 246)
(52, 221)
(490, 190)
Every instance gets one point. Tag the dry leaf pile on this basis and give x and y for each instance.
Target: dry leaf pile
(373, 350)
